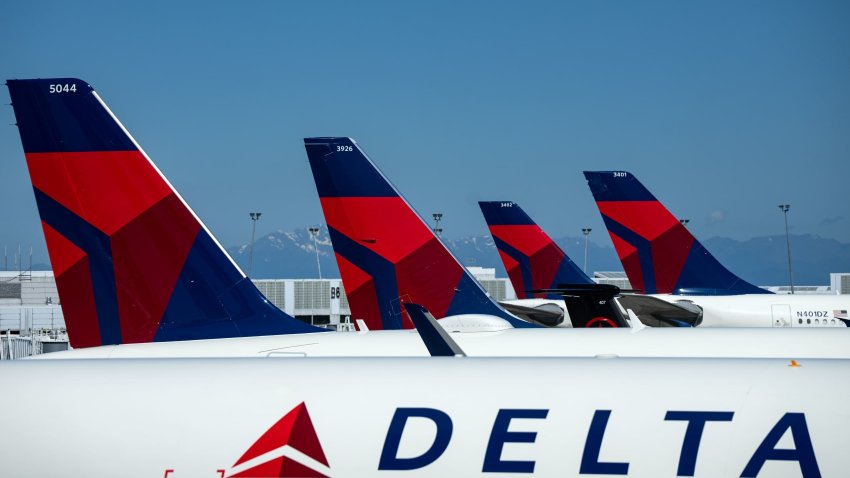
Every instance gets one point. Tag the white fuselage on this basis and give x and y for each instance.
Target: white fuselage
(478, 416)
(748, 310)
(648, 342)
(768, 310)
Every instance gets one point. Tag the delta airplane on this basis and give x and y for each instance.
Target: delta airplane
(427, 416)
(387, 254)
(661, 257)
(538, 269)
(140, 276)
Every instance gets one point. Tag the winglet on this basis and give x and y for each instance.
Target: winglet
(533, 260)
(634, 322)
(659, 254)
(436, 339)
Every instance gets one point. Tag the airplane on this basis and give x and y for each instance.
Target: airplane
(427, 416)
(539, 270)
(661, 257)
(191, 300)
(387, 255)
(530, 256)
(133, 263)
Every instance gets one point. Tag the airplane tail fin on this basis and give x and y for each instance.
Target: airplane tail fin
(132, 261)
(387, 255)
(531, 257)
(658, 253)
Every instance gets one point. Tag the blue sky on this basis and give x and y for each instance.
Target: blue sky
(723, 109)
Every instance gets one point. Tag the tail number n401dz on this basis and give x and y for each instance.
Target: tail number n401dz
(591, 464)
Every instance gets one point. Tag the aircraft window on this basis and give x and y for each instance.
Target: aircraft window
(808, 321)
(817, 321)
(799, 321)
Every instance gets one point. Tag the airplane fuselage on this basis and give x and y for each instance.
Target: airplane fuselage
(427, 417)
(769, 310)
(575, 342)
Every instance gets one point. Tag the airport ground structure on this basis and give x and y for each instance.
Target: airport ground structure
(31, 319)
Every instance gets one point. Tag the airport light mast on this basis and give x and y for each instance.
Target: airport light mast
(586, 232)
(684, 222)
(438, 216)
(314, 231)
(784, 208)
(255, 216)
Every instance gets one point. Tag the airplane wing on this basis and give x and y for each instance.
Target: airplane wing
(655, 312)
(549, 315)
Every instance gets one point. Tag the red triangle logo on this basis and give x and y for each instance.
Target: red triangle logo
(294, 429)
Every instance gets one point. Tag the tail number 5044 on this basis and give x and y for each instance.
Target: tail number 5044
(66, 88)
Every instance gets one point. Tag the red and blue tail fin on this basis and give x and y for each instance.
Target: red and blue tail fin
(531, 257)
(387, 255)
(132, 262)
(658, 253)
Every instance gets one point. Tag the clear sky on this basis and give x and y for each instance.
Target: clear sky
(723, 109)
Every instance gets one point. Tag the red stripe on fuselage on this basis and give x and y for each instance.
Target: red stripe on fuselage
(384, 225)
(105, 188)
(148, 255)
(648, 219)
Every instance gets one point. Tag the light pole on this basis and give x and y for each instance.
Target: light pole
(586, 232)
(255, 216)
(784, 208)
(314, 231)
(684, 222)
(438, 216)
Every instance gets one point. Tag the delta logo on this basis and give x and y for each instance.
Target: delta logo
(290, 448)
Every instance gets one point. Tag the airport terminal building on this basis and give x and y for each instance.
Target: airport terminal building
(29, 300)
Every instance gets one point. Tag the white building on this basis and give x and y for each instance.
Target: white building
(30, 302)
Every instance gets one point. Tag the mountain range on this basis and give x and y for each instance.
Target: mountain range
(761, 260)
